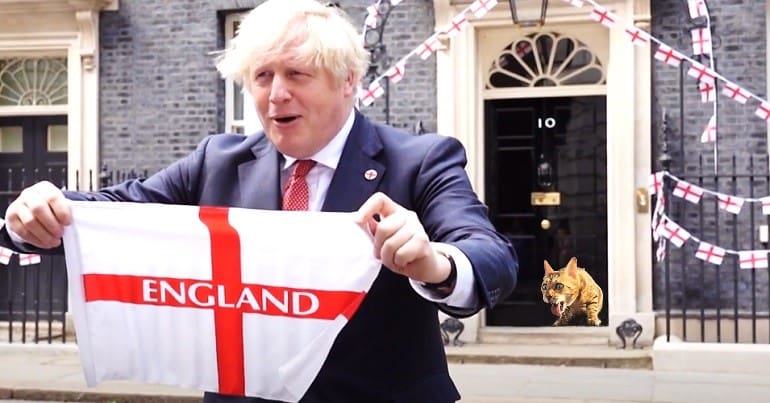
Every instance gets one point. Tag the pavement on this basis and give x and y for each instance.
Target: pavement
(483, 373)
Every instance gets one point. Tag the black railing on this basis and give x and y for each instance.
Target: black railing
(33, 298)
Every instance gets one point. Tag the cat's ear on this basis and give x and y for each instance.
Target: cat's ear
(547, 267)
(572, 267)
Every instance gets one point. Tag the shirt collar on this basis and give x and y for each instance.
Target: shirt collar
(331, 153)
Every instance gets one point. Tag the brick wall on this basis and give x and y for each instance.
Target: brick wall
(160, 93)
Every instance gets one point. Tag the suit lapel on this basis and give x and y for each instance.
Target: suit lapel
(350, 187)
(258, 179)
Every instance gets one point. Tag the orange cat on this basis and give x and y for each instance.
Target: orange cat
(572, 294)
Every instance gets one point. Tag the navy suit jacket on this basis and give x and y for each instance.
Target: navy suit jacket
(391, 350)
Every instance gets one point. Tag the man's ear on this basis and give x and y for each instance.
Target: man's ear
(350, 84)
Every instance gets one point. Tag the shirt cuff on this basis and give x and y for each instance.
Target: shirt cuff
(17, 240)
(464, 293)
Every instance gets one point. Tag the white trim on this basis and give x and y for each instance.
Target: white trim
(44, 110)
(250, 122)
(545, 92)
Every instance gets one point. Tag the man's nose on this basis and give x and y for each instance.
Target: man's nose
(279, 91)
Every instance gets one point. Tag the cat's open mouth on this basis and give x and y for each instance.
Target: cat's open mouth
(557, 309)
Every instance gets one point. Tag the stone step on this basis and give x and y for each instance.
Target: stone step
(556, 355)
(566, 335)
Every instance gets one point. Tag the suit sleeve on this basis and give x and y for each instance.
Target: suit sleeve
(451, 213)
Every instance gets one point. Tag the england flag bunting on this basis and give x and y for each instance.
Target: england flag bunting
(731, 204)
(673, 232)
(480, 8)
(375, 90)
(5, 255)
(669, 56)
(660, 252)
(602, 16)
(697, 8)
(427, 48)
(710, 253)
(656, 183)
(736, 93)
(257, 296)
(708, 91)
(688, 191)
(765, 205)
(28, 259)
(575, 3)
(395, 2)
(701, 41)
(637, 36)
(396, 73)
(763, 111)
(372, 16)
(752, 259)
(709, 134)
(458, 23)
(701, 73)
(657, 214)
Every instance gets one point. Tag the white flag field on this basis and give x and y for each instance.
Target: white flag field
(237, 301)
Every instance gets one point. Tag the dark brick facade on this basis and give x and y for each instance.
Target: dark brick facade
(740, 55)
(160, 93)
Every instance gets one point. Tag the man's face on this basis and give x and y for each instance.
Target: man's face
(301, 107)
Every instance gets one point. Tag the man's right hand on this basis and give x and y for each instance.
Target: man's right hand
(39, 214)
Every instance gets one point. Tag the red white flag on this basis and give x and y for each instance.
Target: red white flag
(763, 111)
(575, 3)
(765, 205)
(709, 134)
(708, 92)
(673, 232)
(5, 255)
(367, 96)
(427, 48)
(602, 16)
(710, 253)
(735, 92)
(701, 73)
(458, 23)
(372, 16)
(669, 56)
(655, 182)
(396, 73)
(637, 36)
(480, 8)
(731, 204)
(697, 8)
(27, 259)
(657, 214)
(257, 296)
(701, 41)
(752, 259)
(395, 2)
(688, 191)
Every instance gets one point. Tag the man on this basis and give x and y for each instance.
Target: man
(302, 63)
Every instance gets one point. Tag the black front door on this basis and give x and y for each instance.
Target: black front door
(546, 186)
(32, 148)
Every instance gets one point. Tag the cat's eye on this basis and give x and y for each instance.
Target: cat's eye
(558, 286)
(544, 286)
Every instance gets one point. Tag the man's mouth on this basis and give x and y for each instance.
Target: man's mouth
(557, 308)
(285, 119)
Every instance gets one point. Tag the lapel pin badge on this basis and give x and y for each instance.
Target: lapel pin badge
(370, 174)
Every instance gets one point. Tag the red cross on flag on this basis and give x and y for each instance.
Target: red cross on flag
(655, 182)
(731, 204)
(701, 73)
(5, 255)
(637, 36)
(673, 232)
(480, 8)
(709, 134)
(523, 48)
(669, 56)
(602, 16)
(396, 73)
(427, 48)
(688, 191)
(763, 111)
(28, 259)
(701, 41)
(367, 96)
(257, 297)
(697, 8)
(710, 253)
(752, 259)
(575, 3)
(735, 92)
(708, 91)
(372, 16)
(458, 23)
(765, 205)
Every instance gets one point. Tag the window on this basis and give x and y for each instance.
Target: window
(240, 115)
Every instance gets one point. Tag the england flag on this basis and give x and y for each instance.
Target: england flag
(710, 253)
(242, 302)
(752, 259)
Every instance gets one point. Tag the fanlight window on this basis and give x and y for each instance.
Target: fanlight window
(29, 82)
(545, 59)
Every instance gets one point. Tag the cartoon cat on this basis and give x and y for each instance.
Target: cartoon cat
(572, 294)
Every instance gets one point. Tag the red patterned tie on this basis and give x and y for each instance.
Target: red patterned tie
(296, 195)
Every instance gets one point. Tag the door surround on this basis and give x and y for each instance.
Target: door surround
(460, 95)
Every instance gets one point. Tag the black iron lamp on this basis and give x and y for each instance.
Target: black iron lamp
(525, 12)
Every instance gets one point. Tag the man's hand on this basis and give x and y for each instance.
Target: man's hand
(39, 215)
(400, 241)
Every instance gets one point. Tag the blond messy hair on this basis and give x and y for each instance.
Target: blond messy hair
(318, 35)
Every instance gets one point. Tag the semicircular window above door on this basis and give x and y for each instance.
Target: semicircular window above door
(545, 59)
